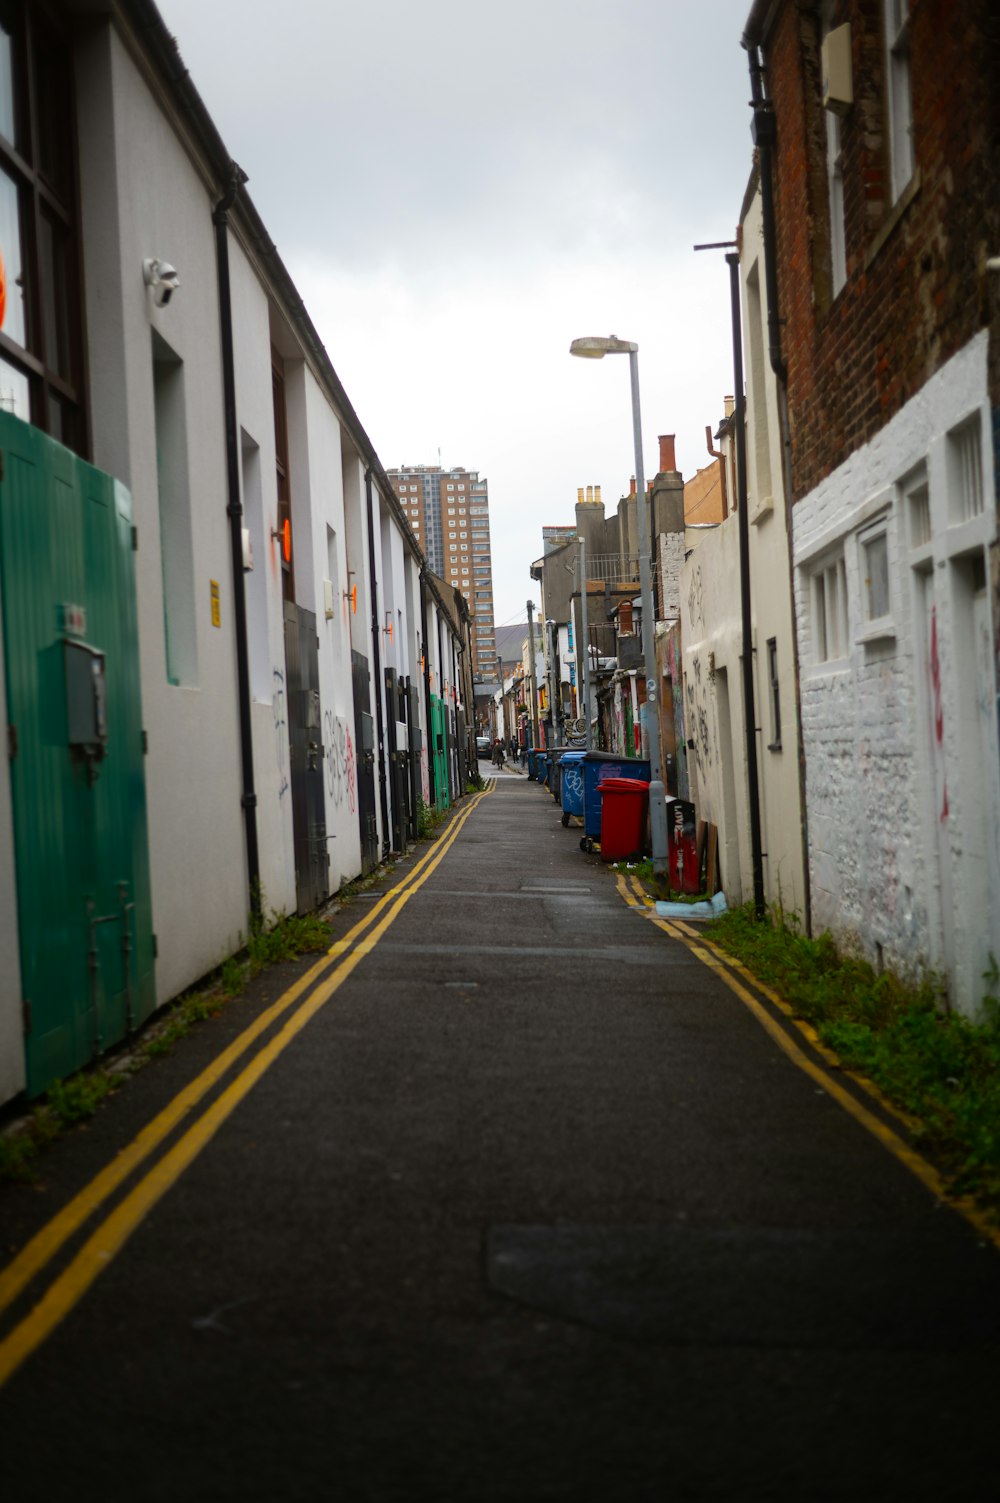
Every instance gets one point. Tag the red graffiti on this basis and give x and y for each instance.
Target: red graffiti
(938, 707)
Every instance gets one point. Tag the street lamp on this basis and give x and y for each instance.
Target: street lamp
(595, 348)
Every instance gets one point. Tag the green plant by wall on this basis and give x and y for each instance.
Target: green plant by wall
(940, 1068)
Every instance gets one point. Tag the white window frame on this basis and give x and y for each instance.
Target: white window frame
(899, 95)
(874, 627)
(828, 610)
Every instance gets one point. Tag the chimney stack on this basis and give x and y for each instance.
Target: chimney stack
(631, 488)
(668, 460)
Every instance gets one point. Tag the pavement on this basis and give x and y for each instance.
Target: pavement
(514, 1199)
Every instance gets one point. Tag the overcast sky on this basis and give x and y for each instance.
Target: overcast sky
(461, 189)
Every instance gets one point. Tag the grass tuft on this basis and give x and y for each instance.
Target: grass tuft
(939, 1067)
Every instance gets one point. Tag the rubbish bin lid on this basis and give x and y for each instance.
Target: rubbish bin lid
(622, 785)
(571, 756)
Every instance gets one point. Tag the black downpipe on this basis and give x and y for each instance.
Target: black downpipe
(377, 668)
(763, 133)
(234, 511)
(749, 701)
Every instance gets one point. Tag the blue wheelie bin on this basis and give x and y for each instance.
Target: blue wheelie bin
(542, 767)
(571, 784)
(597, 766)
(532, 754)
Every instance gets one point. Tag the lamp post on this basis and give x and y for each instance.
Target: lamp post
(585, 644)
(595, 348)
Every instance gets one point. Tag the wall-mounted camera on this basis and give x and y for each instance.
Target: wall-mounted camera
(162, 278)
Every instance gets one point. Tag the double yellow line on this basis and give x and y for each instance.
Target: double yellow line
(317, 986)
(728, 969)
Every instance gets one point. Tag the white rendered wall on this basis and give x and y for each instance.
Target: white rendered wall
(903, 842)
(712, 638)
(263, 584)
(141, 196)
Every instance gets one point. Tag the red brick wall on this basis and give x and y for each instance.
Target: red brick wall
(912, 301)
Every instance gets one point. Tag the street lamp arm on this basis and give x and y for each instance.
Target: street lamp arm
(596, 346)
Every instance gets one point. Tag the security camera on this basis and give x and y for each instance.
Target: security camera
(163, 279)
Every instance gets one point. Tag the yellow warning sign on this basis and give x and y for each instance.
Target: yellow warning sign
(216, 607)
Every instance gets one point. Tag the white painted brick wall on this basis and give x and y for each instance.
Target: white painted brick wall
(872, 807)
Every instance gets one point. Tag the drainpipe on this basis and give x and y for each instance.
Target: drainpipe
(749, 703)
(431, 794)
(717, 454)
(533, 674)
(234, 511)
(764, 133)
(377, 667)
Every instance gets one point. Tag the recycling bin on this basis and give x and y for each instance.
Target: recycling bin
(532, 754)
(542, 767)
(571, 784)
(597, 766)
(555, 772)
(624, 802)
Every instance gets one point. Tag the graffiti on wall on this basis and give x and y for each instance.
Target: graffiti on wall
(279, 713)
(340, 770)
(696, 711)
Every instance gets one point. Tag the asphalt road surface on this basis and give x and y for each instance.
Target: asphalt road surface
(518, 1200)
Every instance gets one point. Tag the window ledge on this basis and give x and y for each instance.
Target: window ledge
(896, 213)
(883, 630)
(762, 509)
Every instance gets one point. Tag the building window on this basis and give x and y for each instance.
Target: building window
(281, 472)
(774, 693)
(174, 496)
(829, 611)
(875, 573)
(41, 346)
(965, 474)
(835, 183)
(900, 100)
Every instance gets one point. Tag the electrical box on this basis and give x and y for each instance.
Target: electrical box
(835, 65)
(86, 701)
(247, 542)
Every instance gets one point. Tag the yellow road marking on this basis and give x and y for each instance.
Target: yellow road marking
(723, 965)
(46, 1243)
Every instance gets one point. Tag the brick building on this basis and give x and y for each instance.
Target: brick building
(877, 130)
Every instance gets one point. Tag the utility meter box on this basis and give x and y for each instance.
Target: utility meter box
(835, 66)
(86, 700)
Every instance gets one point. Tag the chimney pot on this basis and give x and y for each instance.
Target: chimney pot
(597, 494)
(579, 495)
(590, 493)
(668, 460)
(631, 489)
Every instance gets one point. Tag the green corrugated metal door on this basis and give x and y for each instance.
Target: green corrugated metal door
(439, 751)
(71, 652)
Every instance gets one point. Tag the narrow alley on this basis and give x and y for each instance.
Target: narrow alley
(543, 1213)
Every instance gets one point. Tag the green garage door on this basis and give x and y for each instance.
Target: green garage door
(77, 777)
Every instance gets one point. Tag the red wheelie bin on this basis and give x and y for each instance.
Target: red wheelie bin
(624, 803)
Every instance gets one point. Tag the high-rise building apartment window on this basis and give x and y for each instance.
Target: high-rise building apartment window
(41, 345)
